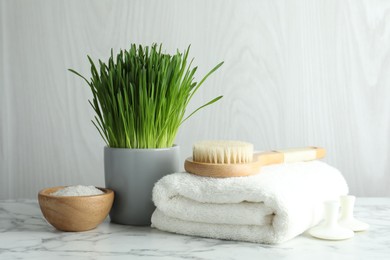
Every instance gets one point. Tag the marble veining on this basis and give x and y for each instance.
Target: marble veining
(24, 234)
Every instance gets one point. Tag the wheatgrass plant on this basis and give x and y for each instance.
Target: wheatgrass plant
(140, 97)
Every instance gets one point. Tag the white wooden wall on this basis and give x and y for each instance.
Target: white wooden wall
(296, 73)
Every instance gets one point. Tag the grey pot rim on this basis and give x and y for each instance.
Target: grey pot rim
(175, 146)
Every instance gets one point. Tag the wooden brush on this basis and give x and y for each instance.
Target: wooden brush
(222, 159)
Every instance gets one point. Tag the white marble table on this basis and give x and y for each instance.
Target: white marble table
(25, 235)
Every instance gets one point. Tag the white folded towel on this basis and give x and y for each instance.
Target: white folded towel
(274, 206)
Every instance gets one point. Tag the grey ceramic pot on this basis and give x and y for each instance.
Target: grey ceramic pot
(131, 174)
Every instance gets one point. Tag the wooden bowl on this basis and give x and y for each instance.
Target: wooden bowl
(75, 213)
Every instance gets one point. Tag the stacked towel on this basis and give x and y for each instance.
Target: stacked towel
(274, 206)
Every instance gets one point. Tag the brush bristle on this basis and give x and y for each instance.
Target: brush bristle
(226, 152)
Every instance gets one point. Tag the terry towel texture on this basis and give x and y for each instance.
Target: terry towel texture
(272, 207)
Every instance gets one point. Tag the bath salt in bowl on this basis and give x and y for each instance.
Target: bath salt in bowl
(75, 208)
(78, 190)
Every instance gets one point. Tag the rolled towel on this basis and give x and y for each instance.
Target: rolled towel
(271, 207)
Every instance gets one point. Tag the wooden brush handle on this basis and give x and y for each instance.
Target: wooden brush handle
(290, 155)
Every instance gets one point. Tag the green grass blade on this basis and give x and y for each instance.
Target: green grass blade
(199, 108)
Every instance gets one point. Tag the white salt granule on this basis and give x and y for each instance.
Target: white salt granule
(78, 190)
